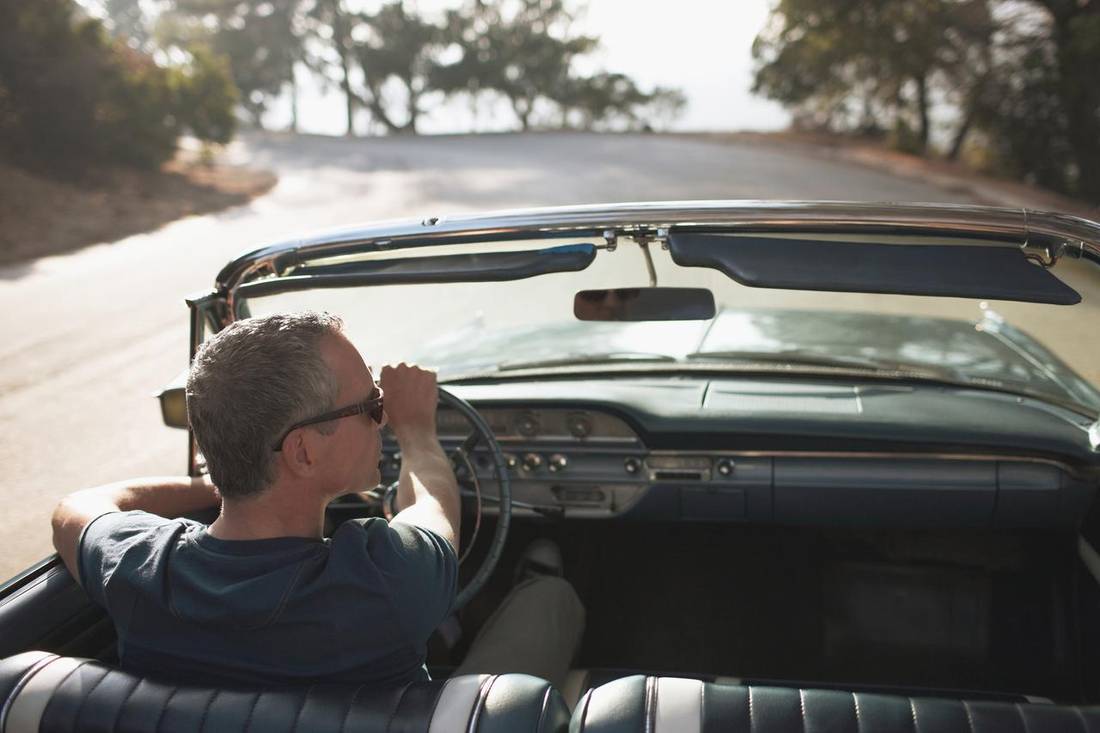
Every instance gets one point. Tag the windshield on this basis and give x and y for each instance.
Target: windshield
(468, 329)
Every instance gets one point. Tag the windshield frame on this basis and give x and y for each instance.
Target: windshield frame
(1044, 237)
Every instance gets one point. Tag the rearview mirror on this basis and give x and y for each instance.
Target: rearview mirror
(644, 304)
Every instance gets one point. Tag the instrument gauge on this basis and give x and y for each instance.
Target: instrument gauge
(527, 424)
(579, 424)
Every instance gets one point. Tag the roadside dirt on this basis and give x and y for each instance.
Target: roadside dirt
(951, 176)
(43, 216)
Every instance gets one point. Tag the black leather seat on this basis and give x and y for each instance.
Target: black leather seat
(51, 694)
(676, 705)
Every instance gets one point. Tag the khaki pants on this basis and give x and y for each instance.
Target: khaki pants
(536, 630)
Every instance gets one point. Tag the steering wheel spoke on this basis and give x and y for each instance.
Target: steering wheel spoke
(469, 444)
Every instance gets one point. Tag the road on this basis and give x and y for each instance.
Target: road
(88, 338)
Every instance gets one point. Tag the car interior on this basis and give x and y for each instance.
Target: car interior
(772, 563)
(767, 551)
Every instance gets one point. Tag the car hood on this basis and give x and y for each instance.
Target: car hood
(989, 349)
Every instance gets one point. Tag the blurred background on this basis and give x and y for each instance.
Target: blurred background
(144, 143)
(1009, 86)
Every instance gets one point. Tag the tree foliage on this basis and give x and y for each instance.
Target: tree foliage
(262, 41)
(1020, 73)
(71, 96)
(397, 47)
(521, 49)
(75, 90)
(871, 63)
(397, 64)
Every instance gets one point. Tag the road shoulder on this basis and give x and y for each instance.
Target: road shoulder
(45, 216)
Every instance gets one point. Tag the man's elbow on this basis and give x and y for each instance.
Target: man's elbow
(62, 513)
(73, 512)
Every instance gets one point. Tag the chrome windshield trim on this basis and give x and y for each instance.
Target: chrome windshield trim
(1044, 236)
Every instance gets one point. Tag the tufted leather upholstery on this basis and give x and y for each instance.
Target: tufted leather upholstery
(675, 705)
(51, 694)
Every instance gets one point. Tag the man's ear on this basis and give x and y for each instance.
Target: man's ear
(299, 454)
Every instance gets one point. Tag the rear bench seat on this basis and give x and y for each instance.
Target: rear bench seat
(49, 694)
(649, 704)
(44, 693)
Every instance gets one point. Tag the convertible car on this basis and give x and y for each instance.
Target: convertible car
(812, 467)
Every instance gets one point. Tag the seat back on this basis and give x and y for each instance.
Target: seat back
(51, 694)
(675, 705)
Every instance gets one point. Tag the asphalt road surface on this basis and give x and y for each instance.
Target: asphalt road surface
(88, 338)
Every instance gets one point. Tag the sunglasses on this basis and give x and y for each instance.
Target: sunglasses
(371, 406)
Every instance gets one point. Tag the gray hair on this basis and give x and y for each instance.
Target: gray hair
(248, 384)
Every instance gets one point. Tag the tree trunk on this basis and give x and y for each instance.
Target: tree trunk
(922, 109)
(378, 112)
(256, 112)
(1081, 101)
(293, 100)
(349, 96)
(961, 133)
(523, 112)
(414, 111)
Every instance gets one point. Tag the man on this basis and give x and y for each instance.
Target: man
(288, 417)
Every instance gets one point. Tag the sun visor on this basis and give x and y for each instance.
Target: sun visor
(478, 267)
(985, 271)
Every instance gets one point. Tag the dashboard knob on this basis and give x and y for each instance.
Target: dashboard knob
(632, 465)
(724, 467)
(510, 460)
(557, 462)
(532, 462)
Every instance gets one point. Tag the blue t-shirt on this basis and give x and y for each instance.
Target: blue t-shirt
(358, 607)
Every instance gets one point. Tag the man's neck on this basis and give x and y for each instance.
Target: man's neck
(275, 513)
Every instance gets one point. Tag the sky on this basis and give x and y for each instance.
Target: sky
(703, 47)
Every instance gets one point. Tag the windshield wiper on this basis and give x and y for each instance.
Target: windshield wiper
(610, 357)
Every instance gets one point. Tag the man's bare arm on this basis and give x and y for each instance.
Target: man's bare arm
(428, 490)
(427, 493)
(168, 496)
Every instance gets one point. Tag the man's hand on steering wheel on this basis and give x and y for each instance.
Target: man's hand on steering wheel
(411, 400)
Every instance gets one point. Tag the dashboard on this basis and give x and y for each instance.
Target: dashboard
(639, 460)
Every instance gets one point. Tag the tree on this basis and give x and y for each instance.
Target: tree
(206, 97)
(262, 39)
(331, 25)
(129, 21)
(398, 47)
(72, 97)
(51, 67)
(858, 62)
(664, 106)
(523, 49)
(608, 100)
(1040, 112)
(1075, 34)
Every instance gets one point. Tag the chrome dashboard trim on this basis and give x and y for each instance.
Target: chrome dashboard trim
(1075, 471)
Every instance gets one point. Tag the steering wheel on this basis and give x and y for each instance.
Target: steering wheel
(482, 433)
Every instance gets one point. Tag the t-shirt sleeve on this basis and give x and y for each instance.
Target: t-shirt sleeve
(104, 542)
(420, 569)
